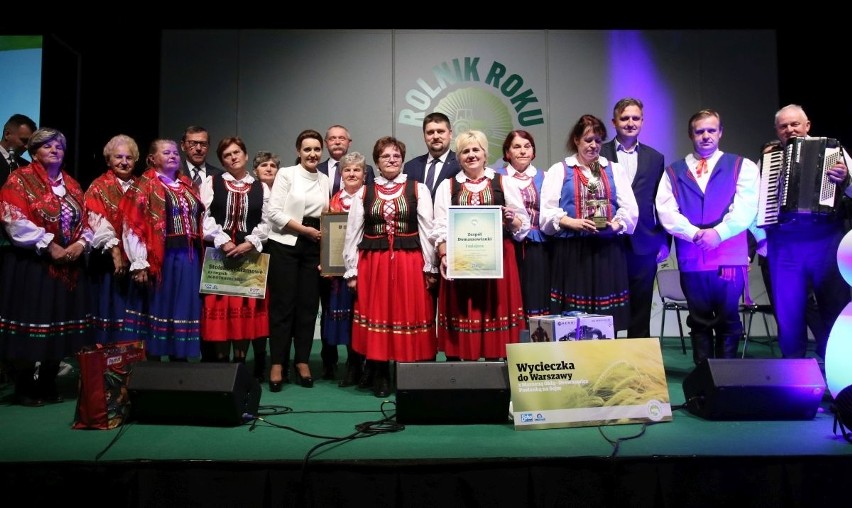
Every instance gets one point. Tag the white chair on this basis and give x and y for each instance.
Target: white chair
(671, 294)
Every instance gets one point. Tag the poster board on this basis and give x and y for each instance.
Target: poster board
(587, 383)
(243, 276)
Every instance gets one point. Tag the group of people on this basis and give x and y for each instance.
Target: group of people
(122, 259)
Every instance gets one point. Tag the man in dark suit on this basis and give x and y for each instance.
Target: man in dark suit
(649, 243)
(16, 135)
(437, 133)
(195, 143)
(337, 141)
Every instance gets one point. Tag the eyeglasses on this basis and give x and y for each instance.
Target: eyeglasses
(193, 144)
(389, 156)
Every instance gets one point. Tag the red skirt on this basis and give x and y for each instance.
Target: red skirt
(478, 317)
(234, 318)
(394, 314)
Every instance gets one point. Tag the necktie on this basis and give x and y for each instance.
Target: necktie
(336, 186)
(13, 163)
(701, 168)
(430, 174)
(196, 176)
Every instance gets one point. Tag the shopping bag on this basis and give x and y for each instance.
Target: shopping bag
(103, 402)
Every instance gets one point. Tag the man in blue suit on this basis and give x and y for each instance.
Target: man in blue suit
(439, 162)
(649, 243)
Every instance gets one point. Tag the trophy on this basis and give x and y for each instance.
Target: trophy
(596, 205)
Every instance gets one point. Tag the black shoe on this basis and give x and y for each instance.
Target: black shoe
(382, 387)
(275, 387)
(304, 382)
(29, 401)
(329, 371)
(366, 380)
(53, 399)
(352, 377)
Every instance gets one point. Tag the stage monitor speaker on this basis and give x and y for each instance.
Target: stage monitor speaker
(211, 394)
(452, 392)
(755, 389)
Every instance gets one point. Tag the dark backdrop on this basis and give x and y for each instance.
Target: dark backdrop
(117, 85)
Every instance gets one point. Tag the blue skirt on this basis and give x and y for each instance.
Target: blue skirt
(166, 313)
(338, 319)
(108, 300)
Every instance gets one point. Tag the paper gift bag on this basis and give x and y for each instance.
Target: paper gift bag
(103, 402)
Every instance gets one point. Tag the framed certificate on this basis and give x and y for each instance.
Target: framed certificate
(243, 276)
(333, 228)
(474, 242)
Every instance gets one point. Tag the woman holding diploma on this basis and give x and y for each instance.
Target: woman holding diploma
(478, 317)
(338, 319)
(586, 202)
(389, 265)
(162, 239)
(235, 221)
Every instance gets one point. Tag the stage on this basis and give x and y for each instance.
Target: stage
(331, 446)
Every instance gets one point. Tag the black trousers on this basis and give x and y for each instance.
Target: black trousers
(294, 293)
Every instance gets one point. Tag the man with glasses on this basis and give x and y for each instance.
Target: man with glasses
(195, 144)
(16, 135)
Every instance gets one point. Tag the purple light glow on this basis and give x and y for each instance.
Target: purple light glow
(635, 75)
(838, 352)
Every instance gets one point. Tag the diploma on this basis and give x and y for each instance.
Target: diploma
(474, 242)
(333, 229)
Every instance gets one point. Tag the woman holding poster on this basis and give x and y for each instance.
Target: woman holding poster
(478, 317)
(235, 222)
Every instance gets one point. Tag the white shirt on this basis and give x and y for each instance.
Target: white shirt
(551, 191)
(438, 166)
(443, 200)
(355, 225)
(214, 232)
(628, 159)
(741, 214)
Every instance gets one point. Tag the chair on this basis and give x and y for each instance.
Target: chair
(671, 294)
(749, 308)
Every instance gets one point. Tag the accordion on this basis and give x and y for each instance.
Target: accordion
(793, 180)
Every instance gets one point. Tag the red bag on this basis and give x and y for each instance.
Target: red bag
(103, 402)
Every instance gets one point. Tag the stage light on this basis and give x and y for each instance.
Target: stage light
(838, 351)
(843, 412)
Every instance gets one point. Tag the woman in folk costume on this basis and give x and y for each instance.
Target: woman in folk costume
(43, 291)
(586, 202)
(163, 240)
(235, 221)
(338, 319)
(390, 266)
(533, 252)
(478, 317)
(108, 265)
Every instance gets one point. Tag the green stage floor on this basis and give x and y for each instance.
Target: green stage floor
(321, 424)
